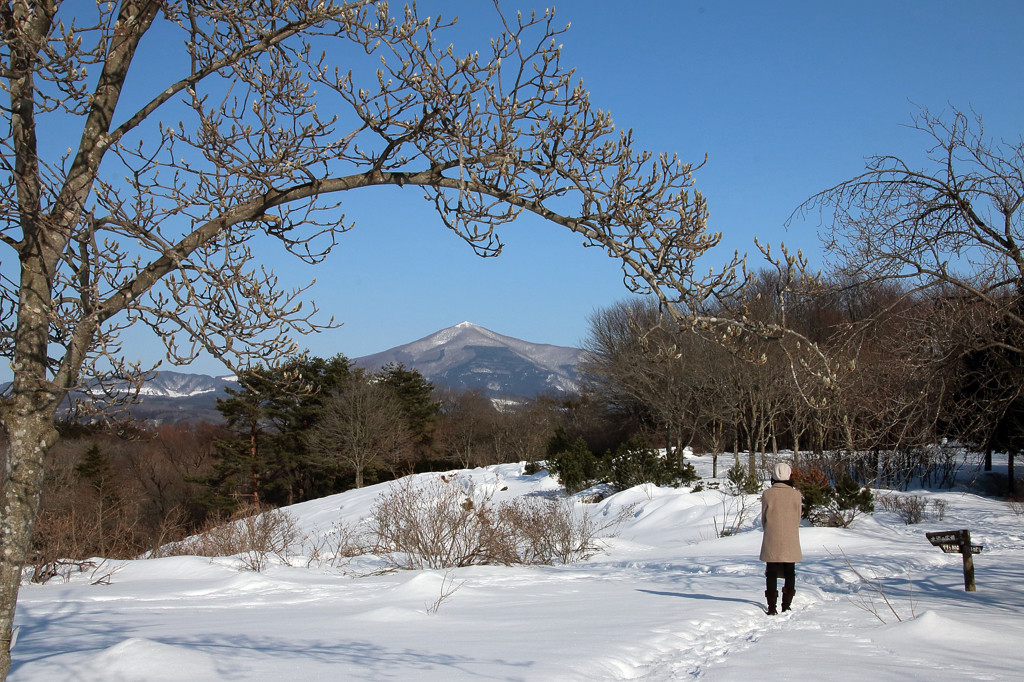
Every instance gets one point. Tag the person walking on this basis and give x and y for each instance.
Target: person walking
(781, 507)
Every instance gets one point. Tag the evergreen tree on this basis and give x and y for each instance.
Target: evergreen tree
(295, 414)
(269, 460)
(635, 462)
(95, 468)
(244, 463)
(571, 461)
(418, 404)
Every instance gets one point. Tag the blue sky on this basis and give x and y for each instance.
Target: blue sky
(785, 98)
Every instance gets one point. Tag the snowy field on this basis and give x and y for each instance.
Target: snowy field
(666, 600)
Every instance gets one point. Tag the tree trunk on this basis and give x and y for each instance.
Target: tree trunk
(751, 451)
(31, 434)
(1009, 472)
(736, 444)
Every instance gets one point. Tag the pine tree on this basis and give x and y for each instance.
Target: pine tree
(269, 460)
(243, 465)
(95, 468)
(417, 397)
(571, 461)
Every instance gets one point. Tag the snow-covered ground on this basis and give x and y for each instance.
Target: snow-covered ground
(667, 600)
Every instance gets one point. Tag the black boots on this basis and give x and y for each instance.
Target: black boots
(772, 596)
(787, 598)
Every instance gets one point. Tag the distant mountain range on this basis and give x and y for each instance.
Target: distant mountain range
(179, 397)
(463, 356)
(469, 356)
(176, 397)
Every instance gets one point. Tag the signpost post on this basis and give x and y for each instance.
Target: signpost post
(958, 542)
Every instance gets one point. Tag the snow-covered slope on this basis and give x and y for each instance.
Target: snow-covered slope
(667, 601)
(470, 356)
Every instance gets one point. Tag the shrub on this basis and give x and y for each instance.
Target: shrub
(825, 505)
(742, 482)
(849, 494)
(439, 524)
(337, 545)
(814, 485)
(912, 508)
(571, 461)
(635, 462)
(849, 500)
(532, 468)
(252, 533)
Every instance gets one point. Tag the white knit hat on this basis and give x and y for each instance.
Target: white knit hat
(782, 472)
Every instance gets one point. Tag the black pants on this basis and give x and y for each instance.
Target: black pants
(774, 571)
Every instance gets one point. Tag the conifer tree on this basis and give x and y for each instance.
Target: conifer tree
(418, 404)
(269, 460)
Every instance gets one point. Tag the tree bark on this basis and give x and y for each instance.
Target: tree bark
(31, 434)
(1009, 473)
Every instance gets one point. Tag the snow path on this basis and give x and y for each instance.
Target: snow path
(666, 601)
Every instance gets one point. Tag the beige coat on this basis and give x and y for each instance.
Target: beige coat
(780, 519)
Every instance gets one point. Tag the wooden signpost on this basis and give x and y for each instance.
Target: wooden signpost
(958, 542)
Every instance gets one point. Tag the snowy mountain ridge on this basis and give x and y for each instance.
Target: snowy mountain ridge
(184, 385)
(467, 355)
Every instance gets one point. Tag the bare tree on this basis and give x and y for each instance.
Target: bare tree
(956, 222)
(637, 352)
(362, 425)
(952, 227)
(466, 420)
(151, 215)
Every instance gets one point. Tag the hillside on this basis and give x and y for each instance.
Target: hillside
(667, 600)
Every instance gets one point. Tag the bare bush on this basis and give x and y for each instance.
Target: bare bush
(439, 524)
(1016, 506)
(736, 509)
(252, 534)
(912, 508)
(335, 547)
(435, 525)
(101, 571)
(866, 602)
(448, 588)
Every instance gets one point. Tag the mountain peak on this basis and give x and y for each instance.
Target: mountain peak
(470, 356)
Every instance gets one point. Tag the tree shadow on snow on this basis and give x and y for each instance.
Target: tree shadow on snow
(46, 636)
(352, 654)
